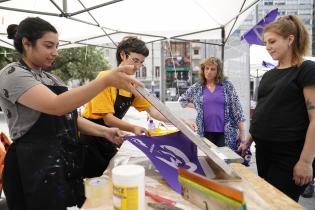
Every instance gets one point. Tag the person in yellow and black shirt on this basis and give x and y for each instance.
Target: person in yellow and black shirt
(111, 105)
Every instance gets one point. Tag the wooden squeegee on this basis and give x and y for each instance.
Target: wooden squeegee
(209, 194)
(221, 169)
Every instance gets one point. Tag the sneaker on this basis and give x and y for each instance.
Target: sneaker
(309, 190)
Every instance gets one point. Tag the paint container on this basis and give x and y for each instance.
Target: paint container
(128, 187)
(97, 190)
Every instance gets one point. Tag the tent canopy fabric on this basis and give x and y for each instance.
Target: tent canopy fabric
(99, 22)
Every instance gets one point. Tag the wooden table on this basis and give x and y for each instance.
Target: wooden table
(258, 193)
(271, 195)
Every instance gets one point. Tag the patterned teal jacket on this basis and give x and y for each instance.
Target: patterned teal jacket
(233, 112)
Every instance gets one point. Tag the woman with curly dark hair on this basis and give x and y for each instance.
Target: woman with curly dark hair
(219, 112)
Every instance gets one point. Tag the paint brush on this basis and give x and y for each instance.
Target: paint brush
(168, 202)
(162, 206)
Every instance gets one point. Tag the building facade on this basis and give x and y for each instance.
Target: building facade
(301, 8)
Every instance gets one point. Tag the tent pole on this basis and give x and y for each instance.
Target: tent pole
(29, 11)
(65, 6)
(163, 73)
(236, 18)
(6, 42)
(195, 41)
(152, 69)
(95, 7)
(196, 32)
(223, 44)
(245, 9)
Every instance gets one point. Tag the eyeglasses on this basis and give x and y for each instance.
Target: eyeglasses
(136, 61)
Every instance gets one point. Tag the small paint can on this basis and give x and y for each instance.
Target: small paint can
(128, 187)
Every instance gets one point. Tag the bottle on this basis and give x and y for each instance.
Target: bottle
(151, 125)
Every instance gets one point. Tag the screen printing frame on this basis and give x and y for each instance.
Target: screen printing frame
(219, 166)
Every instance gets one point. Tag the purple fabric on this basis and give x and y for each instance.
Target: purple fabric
(268, 65)
(167, 153)
(254, 35)
(213, 109)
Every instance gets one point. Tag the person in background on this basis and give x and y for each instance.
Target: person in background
(283, 123)
(219, 112)
(43, 165)
(110, 106)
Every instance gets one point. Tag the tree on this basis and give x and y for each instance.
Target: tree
(7, 56)
(82, 63)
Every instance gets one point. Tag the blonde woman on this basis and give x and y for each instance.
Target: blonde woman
(283, 124)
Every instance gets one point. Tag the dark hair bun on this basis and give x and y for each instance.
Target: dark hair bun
(11, 30)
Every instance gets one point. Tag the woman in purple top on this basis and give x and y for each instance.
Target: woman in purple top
(219, 113)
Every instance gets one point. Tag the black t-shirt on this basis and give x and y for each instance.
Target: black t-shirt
(281, 114)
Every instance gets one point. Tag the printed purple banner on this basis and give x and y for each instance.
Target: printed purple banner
(167, 153)
(254, 35)
(268, 65)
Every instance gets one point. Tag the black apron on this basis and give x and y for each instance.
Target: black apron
(99, 151)
(43, 168)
